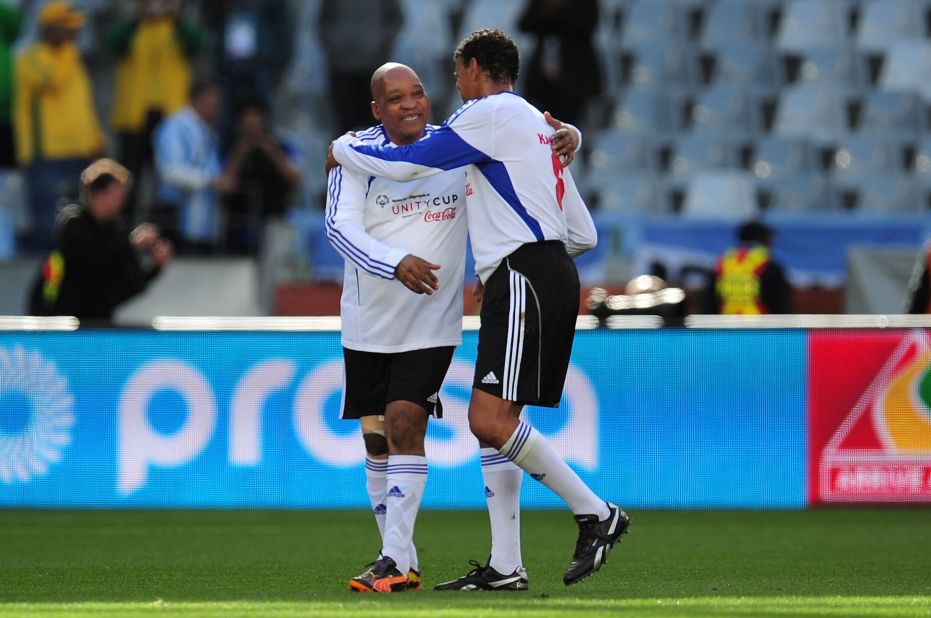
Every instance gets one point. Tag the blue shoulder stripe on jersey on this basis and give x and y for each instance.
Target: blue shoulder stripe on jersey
(497, 175)
(359, 257)
(442, 149)
(458, 112)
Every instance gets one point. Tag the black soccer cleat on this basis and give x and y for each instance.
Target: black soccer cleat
(596, 538)
(486, 578)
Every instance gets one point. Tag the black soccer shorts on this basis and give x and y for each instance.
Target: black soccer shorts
(374, 379)
(529, 311)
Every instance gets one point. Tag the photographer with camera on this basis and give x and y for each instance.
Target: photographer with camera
(96, 266)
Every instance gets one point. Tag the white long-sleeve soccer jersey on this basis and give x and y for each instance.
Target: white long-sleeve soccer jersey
(516, 188)
(374, 223)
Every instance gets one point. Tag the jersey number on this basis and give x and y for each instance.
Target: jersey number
(560, 183)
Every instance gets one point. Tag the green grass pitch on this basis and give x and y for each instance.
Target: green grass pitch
(859, 562)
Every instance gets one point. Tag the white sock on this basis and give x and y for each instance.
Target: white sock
(406, 480)
(375, 470)
(531, 451)
(502, 494)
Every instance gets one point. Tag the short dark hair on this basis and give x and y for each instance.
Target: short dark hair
(494, 51)
(755, 231)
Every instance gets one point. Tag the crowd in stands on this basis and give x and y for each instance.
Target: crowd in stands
(222, 109)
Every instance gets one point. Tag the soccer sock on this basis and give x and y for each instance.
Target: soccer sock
(531, 451)
(502, 494)
(375, 470)
(406, 480)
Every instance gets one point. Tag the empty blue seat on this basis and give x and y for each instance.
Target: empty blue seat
(728, 21)
(777, 156)
(898, 114)
(632, 192)
(655, 21)
(726, 109)
(841, 67)
(615, 151)
(813, 24)
(753, 65)
(883, 22)
(727, 194)
(813, 111)
(664, 65)
(908, 67)
(648, 110)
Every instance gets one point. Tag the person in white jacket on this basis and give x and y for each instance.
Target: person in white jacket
(526, 221)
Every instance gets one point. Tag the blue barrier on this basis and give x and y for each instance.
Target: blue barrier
(146, 419)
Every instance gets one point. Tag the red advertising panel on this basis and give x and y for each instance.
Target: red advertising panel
(870, 416)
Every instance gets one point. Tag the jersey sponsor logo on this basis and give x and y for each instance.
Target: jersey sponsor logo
(432, 216)
(413, 205)
(881, 450)
(490, 378)
(544, 140)
(36, 415)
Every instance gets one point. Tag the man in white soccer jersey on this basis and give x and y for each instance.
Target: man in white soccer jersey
(526, 221)
(398, 345)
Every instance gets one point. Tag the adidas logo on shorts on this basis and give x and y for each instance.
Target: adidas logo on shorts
(432, 398)
(491, 378)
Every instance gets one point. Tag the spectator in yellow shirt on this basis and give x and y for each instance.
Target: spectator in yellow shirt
(154, 48)
(55, 124)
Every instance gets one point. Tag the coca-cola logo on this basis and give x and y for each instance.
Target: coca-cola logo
(439, 215)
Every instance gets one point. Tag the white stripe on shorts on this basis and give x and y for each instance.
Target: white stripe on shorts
(515, 340)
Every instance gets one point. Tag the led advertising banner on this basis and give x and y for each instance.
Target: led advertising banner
(112, 419)
(870, 416)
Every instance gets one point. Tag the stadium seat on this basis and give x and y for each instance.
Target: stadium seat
(502, 14)
(812, 111)
(841, 67)
(725, 194)
(868, 173)
(908, 67)
(655, 21)
(883, 22)
(885, 193)
(650, 111)
(608, 43)
(753, 65)
(631, 193)
(898, 114)
(664, 65)
(863, 154)
(797, 192)
(788, 175)
(696, 152)
(725, 109)
(615, 151)
(729, 21)
(813, 24)
(778, 156)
